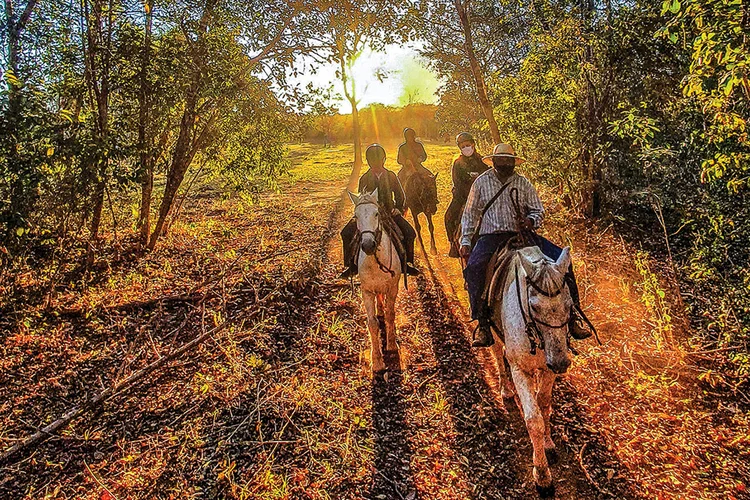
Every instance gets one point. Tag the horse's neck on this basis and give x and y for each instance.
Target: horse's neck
(511, 290)
(386, 251)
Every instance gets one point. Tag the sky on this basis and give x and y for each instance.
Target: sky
(407, 76)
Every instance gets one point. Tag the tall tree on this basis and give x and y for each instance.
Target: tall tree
(463, 9)
(144, 139)
(346, 30)
(24, 179)
(469, 42)
(210, 29)
(100, 18)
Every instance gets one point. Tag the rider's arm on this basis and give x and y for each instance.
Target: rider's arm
(423, 155)
(455, 175)
(398, 193)
(401, 157)
(534, 208)
(470, 217)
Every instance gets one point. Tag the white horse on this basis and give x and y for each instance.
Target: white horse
(534, 310)
(379, 269)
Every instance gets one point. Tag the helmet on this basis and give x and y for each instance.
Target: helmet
(375, 154)
(464, 136)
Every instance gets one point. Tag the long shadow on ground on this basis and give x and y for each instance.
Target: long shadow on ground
(493, 446)
(392, 476)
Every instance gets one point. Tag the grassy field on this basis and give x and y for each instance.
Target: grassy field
(278, 402)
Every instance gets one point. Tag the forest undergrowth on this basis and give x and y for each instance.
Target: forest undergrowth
(278, 402)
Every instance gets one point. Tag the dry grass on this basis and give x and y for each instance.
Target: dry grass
(280, 405)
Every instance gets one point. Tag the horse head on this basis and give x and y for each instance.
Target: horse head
(367, 215)
(549, 303)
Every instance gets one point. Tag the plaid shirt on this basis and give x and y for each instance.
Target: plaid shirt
(501, 216)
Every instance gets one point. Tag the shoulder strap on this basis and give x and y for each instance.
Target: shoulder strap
(495, 197)
(486, 208)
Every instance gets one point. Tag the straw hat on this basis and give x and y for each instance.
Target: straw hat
(502, 151)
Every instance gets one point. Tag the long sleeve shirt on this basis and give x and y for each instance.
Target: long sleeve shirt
(390, 192)
(501, 216)
(465, 170)
(411, 151)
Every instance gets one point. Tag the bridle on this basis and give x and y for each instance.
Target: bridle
(536, 339)
(377, 234)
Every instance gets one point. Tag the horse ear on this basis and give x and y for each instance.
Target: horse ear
(435, 176)
(528, 266)
(563, 261)
(353, 197)
(374, 194)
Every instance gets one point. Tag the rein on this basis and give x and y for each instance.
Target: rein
(536, 339)
(378, 235)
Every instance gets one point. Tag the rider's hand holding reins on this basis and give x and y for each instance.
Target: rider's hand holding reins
(465, 251)
(528, 224)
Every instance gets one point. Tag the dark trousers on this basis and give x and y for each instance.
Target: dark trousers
(475, 272)
(350, 231)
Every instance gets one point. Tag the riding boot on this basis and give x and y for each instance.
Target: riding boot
(348, 272)
(411, 270)
(483, 334)
(579, 330)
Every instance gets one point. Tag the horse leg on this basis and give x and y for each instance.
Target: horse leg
(390, 319)
(376, 349)
(418, 228)
(544, 399)
(506, 384)
(380, 311)
(431, 226)
(526, 387)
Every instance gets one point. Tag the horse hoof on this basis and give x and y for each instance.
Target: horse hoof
(552, 456)
(546, 491)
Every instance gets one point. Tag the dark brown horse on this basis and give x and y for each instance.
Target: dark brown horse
(422, 198)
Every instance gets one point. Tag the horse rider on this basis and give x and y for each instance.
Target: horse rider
(466, 167)
(411, 155)
(391, 198)
(498, 225)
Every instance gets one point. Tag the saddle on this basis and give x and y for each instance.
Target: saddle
(497, 269)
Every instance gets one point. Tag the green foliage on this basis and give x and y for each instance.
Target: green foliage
(716, 31)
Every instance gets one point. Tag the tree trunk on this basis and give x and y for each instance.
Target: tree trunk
(23, 187)
(98, 57)
(484, 101)
(144, 143)
(181, 159)
(357, 129)
(588, 123)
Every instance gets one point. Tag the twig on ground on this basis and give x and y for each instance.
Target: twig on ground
(586, 472)
(99, 482)
(115, 389)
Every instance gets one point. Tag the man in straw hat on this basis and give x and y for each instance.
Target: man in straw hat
(499, 223)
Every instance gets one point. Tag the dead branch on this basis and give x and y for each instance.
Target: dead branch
(115, 389)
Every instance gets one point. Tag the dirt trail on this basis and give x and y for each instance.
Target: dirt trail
(630, 417)
(281, 405)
